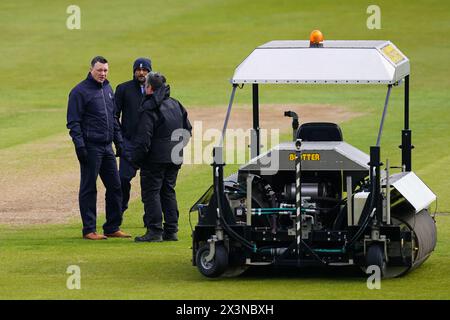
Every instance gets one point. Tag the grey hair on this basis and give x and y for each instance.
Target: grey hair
(155, 79)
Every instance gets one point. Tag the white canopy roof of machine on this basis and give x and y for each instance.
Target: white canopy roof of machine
(352, 62)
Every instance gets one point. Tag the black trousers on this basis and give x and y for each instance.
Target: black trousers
(158, 195)
(126, 172)
(101, 161)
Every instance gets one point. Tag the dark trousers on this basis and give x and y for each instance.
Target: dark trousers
(126, 172)
(101, 160)
(158, 195)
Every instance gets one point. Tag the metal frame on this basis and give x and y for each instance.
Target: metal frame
(406, 145)
(375, 163)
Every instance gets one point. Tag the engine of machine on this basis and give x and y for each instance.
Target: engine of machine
(273, 204)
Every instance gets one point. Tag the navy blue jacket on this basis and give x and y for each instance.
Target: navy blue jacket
(128, 101)
(159, 117)
(90, 114)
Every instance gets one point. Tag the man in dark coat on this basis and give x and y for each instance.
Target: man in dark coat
(128, 98)
(93, 127)
(162, 132)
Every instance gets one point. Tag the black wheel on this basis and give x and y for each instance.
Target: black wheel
(375, 256)
(217, 266)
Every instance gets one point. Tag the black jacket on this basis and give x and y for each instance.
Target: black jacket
(160, 116)
(90, 113)
(128, 101)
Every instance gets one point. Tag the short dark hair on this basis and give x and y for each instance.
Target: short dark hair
(98, 59)
(155, 80)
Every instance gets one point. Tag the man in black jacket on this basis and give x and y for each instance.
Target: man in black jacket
(158, 152)
(93, 128)
(128, 98)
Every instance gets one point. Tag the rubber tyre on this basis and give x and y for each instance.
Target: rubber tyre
(217, 266)
(375, 256)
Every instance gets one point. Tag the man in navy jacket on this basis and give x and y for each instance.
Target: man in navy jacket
(93, 127)
(128, 98)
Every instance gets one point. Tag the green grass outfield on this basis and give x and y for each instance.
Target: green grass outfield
(197, 44)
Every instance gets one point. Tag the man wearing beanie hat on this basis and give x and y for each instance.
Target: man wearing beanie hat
(128, 100)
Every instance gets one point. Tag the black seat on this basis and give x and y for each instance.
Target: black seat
(319, 131)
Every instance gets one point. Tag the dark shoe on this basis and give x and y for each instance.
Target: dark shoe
(149, 237)
(94, 236)
(118, 234)
(170, 236)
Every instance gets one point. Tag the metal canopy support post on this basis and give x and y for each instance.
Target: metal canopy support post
(386, 103)
(255, 139)
(218, 162)
(388, 194)
(218, 153)
(375, 163)
(406, 145)
(407, 102)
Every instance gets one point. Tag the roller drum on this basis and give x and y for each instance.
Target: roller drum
(424, 238)
(425, 235)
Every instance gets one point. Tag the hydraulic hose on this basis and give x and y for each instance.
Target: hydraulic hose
(368, 215)
(223, 223)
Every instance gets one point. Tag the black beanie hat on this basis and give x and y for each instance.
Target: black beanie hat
(144, 63)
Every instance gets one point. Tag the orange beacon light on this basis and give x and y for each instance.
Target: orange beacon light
(316, 39)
